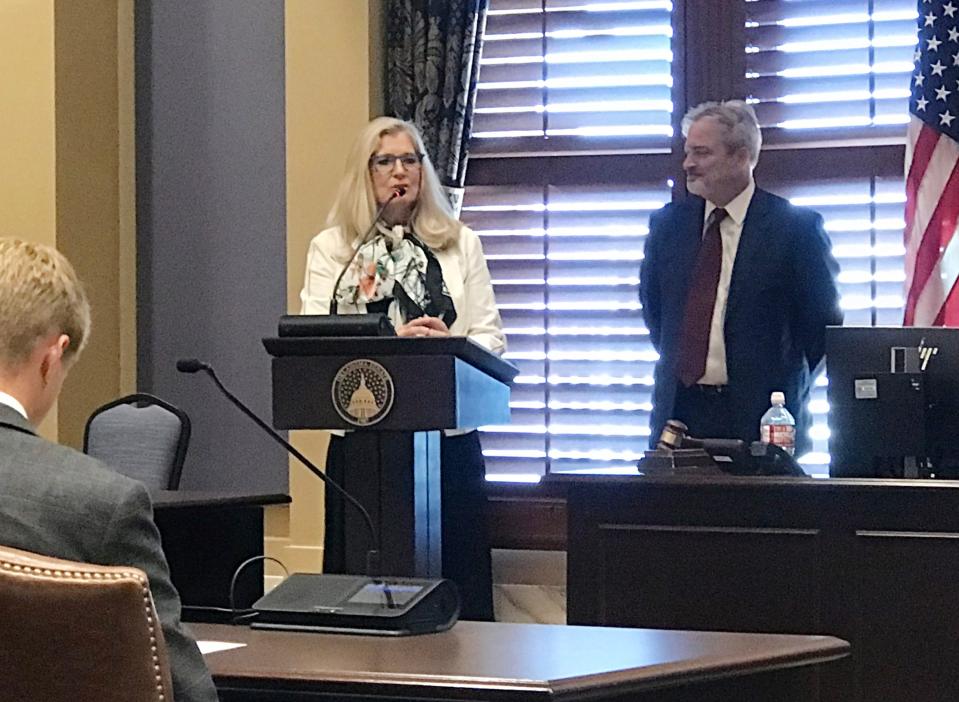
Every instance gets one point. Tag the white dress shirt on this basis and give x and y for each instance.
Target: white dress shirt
(730, 230)
(13, 403)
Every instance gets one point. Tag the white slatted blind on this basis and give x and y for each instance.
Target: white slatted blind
(572, 77)
(564, 262)
(830, 70)
(559, 79)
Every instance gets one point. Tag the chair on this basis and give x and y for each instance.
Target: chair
(142, 437)
(77, 632)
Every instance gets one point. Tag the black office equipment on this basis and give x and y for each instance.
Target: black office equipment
(893, 401)
(325, 325)
(352, 604)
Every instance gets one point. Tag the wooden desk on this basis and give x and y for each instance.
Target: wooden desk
(520, 662)
(875, 562)
(165, 500)
(205, 536)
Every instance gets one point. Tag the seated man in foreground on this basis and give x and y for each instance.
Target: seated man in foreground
(54, 500)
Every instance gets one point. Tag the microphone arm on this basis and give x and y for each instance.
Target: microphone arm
(192, 365)
(397, 192)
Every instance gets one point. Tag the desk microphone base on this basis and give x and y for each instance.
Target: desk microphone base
(356, 604)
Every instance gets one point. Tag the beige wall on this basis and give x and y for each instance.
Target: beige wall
(328, 99)
(27, 120)
(27, 128)
(94, 111)
(66, 107)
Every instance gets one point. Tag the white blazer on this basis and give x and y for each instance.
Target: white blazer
(464, 272)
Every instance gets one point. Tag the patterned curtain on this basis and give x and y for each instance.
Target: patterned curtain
(432, 62)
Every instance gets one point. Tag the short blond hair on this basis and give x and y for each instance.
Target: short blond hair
(40, 294)
(432, 219)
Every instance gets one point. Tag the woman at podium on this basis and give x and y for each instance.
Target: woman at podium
(394, 246)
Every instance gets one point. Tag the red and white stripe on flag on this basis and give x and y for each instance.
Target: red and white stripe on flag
(932, 171)
(932, 206)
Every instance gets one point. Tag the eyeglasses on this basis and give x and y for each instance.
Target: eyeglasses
(385, 163)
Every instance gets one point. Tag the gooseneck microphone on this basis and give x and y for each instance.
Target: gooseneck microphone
(193, 365)
(398, 191)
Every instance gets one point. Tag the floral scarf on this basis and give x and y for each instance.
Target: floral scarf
(395, 267)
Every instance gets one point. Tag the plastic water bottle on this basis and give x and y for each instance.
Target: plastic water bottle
(778, 426)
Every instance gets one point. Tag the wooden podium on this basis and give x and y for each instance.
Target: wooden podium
(391, 385)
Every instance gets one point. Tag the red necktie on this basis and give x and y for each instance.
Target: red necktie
(700, 301)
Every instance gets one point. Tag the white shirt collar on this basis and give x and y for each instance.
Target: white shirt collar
(13, 403)
(737, 207)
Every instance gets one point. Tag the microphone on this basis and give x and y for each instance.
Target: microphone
(191, 365)
(398, 191)
(194, 365)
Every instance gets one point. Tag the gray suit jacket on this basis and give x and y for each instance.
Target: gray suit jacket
(59, 502)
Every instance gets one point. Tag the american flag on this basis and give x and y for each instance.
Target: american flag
(932, 170)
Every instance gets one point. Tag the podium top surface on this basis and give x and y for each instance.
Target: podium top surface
(459, 346)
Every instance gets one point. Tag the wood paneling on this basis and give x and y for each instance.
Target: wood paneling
(527, 516)
(684, 566)
(714, 63)
(872, 562)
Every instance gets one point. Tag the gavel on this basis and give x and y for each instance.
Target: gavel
(674, 436)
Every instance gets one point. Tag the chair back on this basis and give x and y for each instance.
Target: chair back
(142, 437)
(77, 632)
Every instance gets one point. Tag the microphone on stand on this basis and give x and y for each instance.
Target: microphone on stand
(193, 365)
(346, 603)
(398, 191)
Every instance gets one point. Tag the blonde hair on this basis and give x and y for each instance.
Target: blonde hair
(40, 294)
(432, 219)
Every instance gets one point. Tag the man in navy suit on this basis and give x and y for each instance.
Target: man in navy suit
(737, 287)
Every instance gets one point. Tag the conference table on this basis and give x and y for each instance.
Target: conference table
(521, 662)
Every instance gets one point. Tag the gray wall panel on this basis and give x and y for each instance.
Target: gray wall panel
(211, 222)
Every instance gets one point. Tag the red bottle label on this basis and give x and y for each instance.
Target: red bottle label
(782, 435)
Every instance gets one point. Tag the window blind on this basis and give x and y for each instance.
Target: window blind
(563, 76)
(824, 71)
(564, 263)
(571, 77)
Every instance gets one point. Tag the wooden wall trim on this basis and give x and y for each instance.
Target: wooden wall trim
(714, 34)
(528, 517)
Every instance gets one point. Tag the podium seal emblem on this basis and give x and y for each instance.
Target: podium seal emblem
(362, 392)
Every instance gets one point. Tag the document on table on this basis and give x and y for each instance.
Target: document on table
(217, 646)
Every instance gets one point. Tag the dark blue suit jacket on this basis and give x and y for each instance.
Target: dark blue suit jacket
(781, 297)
